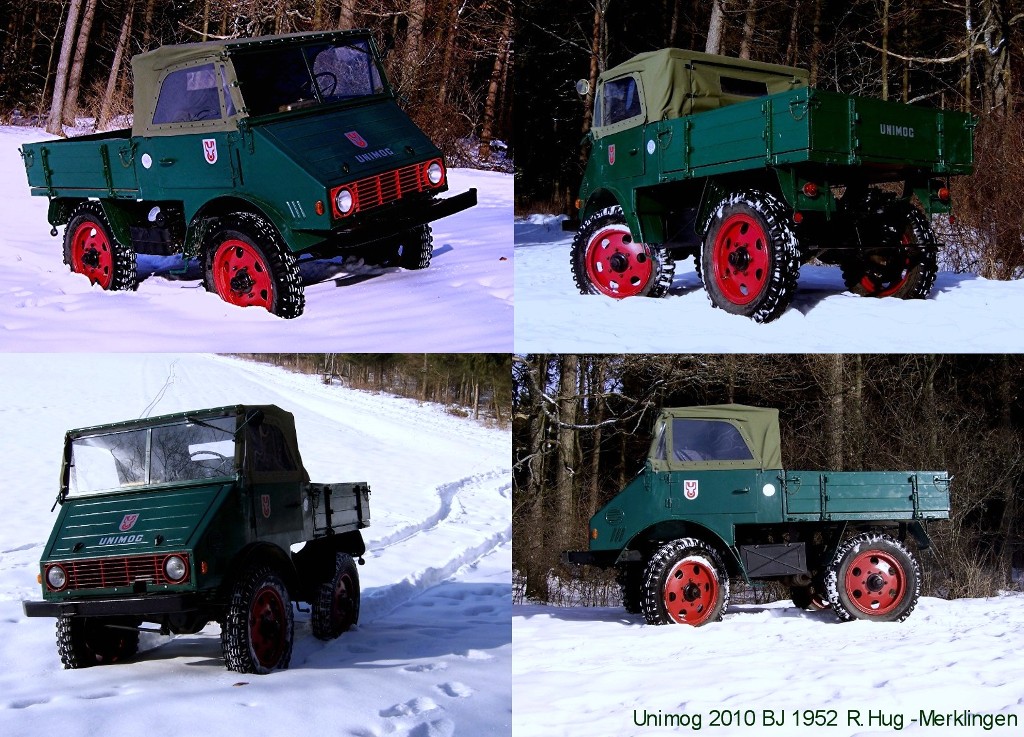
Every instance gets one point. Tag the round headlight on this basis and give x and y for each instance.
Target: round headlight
(56, 577)
(344, 202)
(175, 568)
(435, 173)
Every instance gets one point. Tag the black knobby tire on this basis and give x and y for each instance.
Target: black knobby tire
(87, 641)
(873, 576)
(242, 241)
(258, 628)
(648, 270)
(414, 248)
(907, 269)
(99, 255)
(685, 582)
(750, 260)
(630, 577)
(809, 598)
(336, 608)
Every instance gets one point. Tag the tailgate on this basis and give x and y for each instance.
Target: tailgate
(866, 495)
(341, 507)
(86, 166)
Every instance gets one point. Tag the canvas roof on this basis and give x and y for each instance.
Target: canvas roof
(678, 82)
(758, 425)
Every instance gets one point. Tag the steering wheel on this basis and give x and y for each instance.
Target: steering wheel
(203, 451)
(332, 80)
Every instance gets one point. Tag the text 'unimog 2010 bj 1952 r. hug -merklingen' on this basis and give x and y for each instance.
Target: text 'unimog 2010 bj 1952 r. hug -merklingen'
(714, 501)
(193, 518)
(246, 154)
(744, 167)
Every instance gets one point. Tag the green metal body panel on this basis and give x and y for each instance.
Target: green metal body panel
(786, 138)
(281, 164)
(213, 522)
(714, 499)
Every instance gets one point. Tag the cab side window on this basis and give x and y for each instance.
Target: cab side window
(269, 450)
(708, 440)
(188, 95)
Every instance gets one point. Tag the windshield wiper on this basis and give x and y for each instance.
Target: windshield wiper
(194, 421)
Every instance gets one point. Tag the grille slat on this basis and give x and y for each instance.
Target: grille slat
(102, 573)
(389, 186)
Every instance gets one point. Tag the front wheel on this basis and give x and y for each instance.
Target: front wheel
(685, 583)
(87, 641)
(248, 264)
(750, 259)
(606, 260)
(336, 608)
(874, 577)
(256, 636)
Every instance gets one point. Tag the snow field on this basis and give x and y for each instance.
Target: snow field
(462, 302)
(965, 313)
(583, 671)
(431, 655)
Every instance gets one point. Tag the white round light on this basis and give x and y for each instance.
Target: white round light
(344, 201)
(435, 173)
(56, 577)
(175, 568)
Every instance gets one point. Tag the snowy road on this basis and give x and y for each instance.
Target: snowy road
(431, 656)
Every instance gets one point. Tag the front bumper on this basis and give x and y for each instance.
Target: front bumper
(135, 606)
(400, 217)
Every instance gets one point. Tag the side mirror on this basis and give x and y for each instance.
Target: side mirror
(583, 88)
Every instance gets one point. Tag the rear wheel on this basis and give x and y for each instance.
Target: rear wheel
(256, 636)
(872, 576)
(91, 249)
(247, 264)
(86, 641)
(750, 259)
(336, 609)
(685, 583)
(906, 268)
(606, 260)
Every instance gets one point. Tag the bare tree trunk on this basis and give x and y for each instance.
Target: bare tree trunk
(749, 24)
(816, 43)
(997, 60)
(793, 50)
(115, 68)
(490, 105)
(75, 78)
(347, 14)
(597, 378)
(595, 64)
(206, 20)
(451, 35)
(414, 34)
(147, 23)
(835, 421)
(49, 66)
(568, 405)
(715, 27)
(53, 124)
(885, 49)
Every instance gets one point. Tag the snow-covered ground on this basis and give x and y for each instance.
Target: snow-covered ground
(431, 656)
(462, 302)
(965, 313)
(769, 670)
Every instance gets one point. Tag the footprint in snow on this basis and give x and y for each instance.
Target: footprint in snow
(425, 667)
(438, 728)
(410, 708)
(455, 689)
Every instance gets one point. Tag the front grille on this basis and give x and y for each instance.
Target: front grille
(107, 573)
(390, 186)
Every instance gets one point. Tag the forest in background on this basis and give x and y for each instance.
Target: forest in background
(961, 54)
(451, 60)
(582, 427)
(470, 384)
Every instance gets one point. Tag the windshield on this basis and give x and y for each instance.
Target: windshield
(293, 77)
(183, 451)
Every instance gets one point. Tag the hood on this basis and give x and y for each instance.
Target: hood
(349, 143)
(121, 524)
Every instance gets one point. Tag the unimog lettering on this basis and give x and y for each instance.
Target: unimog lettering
(839, 540)
(752, 173)
(225, 131)
(197, 490)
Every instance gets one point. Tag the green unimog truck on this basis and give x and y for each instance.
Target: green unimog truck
(743, 166)
(714, 501)
(193, 518)
(246, 154)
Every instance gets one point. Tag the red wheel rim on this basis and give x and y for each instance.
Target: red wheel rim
(267, 624)
(887, 284)
(741, 259)
(91, 254)
(616, 265)
(691, 591)
(875, 582)
(241, 276)
(341, 605)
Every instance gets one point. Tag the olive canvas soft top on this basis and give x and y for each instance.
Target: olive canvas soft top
(677, 82)
(757, 445)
